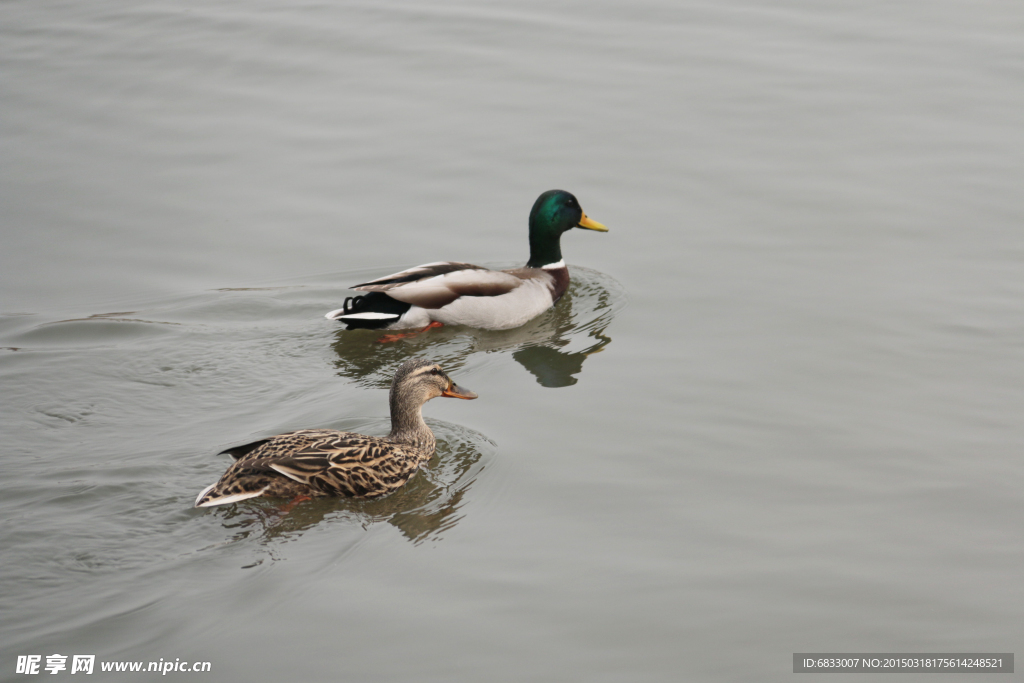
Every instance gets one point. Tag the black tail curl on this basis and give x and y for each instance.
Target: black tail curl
(372, 302)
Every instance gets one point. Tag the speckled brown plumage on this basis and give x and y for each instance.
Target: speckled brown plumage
(326, 462)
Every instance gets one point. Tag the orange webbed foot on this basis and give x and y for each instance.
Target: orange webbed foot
(293, 502)
(388, 338)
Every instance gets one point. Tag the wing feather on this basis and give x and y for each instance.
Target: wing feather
(442, 289)
(301, 468)
(427, 270)
(243, 451)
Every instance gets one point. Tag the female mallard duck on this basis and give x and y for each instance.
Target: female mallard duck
(450, 293)
(326, 462)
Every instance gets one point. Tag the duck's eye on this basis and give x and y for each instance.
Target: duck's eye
(435, 371)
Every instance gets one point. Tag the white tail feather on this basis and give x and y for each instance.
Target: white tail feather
(369, 315)
(234, 498)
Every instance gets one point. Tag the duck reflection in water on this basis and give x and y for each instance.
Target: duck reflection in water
(547, 346)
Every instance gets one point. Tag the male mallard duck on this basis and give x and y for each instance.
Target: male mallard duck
(450, 293)
(326, 462)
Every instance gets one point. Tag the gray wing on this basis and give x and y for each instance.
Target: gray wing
(434, 285)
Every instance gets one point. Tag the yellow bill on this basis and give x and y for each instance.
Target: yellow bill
(591, 225)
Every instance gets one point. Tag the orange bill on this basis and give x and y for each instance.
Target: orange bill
(455, 391)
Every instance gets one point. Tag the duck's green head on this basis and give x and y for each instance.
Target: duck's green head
(553, 213)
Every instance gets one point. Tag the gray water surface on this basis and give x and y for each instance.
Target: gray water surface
(779, 410)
